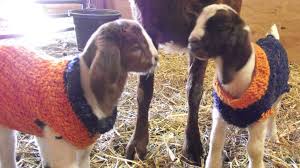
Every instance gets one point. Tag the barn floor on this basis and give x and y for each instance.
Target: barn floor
(168, 117)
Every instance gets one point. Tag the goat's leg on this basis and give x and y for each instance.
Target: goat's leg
(140, 138)
(217, 140)
(256, 142)
(272, 128)
(56, 152)
(7, 148)
(83, 157)
(192, 147)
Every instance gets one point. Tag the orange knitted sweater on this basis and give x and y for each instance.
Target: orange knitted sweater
(257, 88)
(32, 89)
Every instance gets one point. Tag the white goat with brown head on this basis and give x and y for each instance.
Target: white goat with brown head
(67, 104)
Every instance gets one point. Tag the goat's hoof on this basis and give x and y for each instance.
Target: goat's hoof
(190, 159)
(192, 152)
(138, 148)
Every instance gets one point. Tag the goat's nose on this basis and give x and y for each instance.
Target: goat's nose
(193, 39)
(155, 60)
(194, 43)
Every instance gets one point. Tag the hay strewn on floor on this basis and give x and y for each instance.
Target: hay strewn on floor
(168, 118)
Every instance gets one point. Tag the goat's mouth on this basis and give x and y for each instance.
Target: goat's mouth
(199, 54)
(150, 70)
(153, 68)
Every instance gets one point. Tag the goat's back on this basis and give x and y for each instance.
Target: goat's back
(33, 90)
(171, 20)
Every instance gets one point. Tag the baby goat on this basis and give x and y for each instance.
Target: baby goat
(250, 79)
(67, 104)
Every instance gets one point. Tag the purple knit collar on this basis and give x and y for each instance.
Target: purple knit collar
(80, 105)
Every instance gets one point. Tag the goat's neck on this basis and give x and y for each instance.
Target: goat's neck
(110, 95)
(242, 79)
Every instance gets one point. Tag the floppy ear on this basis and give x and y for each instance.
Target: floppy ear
(235, 4)
(89, 52)
(106, 66)
(240, 45)
(237, 53)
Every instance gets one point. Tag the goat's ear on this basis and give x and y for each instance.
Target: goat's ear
(241, 45)
(236, 54)
(106, 66)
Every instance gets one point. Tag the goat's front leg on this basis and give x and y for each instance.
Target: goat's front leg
(56, 152)
(217, 140)
(256, 142)
(140, 138)
(192, 147)
(83, 157)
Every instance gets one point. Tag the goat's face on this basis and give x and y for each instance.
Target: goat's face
(115, 49)
(221, 33)
(121, 46)
(137, 48)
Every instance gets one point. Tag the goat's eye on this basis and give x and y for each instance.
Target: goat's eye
(194, 43)
(136, 50)
(135, 47)
(194, 40)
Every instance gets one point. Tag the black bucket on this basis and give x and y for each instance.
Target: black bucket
(87, 21)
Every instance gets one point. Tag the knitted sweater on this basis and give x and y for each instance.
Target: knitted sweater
(269, 82)
(35, 91)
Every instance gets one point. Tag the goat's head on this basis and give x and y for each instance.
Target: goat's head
(115, 49)
(221, 33)
(120, 46)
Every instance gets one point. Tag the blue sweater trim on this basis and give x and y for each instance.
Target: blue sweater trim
(80, 105)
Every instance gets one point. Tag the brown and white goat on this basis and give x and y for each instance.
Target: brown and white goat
(88, 86)
(171, 20)
(250, 79)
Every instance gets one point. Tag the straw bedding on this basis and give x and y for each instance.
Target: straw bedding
(168, 114)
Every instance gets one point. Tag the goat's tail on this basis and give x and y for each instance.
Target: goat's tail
(274, 32)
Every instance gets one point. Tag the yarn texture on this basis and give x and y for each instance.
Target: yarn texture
(269, 82)
(35, 90)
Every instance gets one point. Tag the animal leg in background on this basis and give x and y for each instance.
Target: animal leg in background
(140, 138)
(192, 146)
